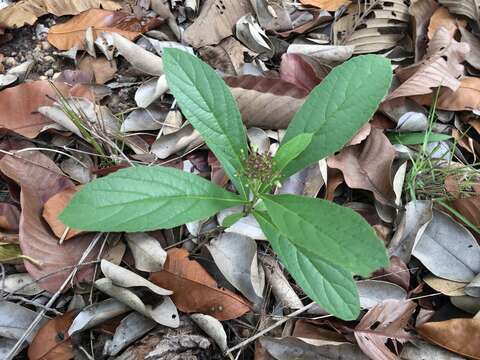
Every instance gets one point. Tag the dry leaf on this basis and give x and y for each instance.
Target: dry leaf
(465, 98)
(194, 290)
(9, 217)
(216, 21)
(446, 287)
(52, 341)
(302, 70)
(27, 11)
(329, 5)
(102, 69)
(461, 336)
(53, 207)
(146, 250)
(468, 8)
(469, 207)
(72, 33)
(266, 103)
(19, 104)
(442, 18)
(39, 179)
(212, 328)
(421, 12)
(473, 57)
(368, 166)
(441, 67)
(385, 321)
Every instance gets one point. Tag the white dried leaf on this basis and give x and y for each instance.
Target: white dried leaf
(17, 284)
(148, 253)
(212, 328)
(150, 91)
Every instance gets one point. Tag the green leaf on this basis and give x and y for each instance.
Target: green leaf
(329, 286)
(415, 138)
(209, 106)
(339, 106)
(232, 219)
(145, 198)
(332, 232)
(290, 150)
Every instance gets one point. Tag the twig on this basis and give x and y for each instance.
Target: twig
(34, 303)
(270, 328)
(18, 346)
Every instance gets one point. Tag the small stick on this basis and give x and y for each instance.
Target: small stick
(18, 346)
(270, 328)
(64, 235)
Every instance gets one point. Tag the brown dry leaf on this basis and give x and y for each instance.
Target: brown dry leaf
(368, 166)
(19, 104)
(473, 57)
(302, 70)
(39, 179)
(468, 8)
(102, 69)
(52, 341)
(434, 70)
(385, 321)
(397, 272)
(469, 207)
(194, 290)
(461, 336)
(465, 98)
(421, 12)
(267, 103)
(329, 5)
(9, 217)
(27, 11)
(442, 18)
(72, 33)
(216, 21)
(53, 208)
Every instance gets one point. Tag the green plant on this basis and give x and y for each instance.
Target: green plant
(319, 242)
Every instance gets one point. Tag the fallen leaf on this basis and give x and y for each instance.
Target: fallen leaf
(182, 140)
(374, 292)
(397, 272)
(473, 57)
(236, 257)
(26, 12)
(19, 104)
(422, 350)
(132, 327)
(421, 12)
(469, 207)
(266, 103)
(461, 336)
(215, 22)
(415, 216)
(9, 217)
(54, 207)
(97, 313)
(368, 166)
(465, 98)
(385, 321)
(148, 253)
(446, 287)
(442, 18)
(52, 341)
(447, 249)
(440, 67)
(150, 118)
(302, 70)
(468, 8)
(329, 5)
(103, 70)
(194, 290)
(72, 33)
(323, 53)
(39, 179)
(212, 328)
(15, 319)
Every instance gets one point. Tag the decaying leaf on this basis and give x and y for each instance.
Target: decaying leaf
(468, 8)
(194, 290)
(72, 33)
(329, 5)
(447, 249)
(385, 321)
(212, 328)
(372, 25)
(374, 292)
(19, 104)
(39, 179)
(148, 253)
(14, 320)
(26, 12)
(421, 12)
(52, 341)
(423, 350)
(461, 336)
(368, 166)
(302, 70)
(266, 103)
(22, 284)
(53, 207)
(440, 67)
(446, 287)
(442, 18)
(215, 21)
(103, 70)
(236, 257)
(9, 217)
